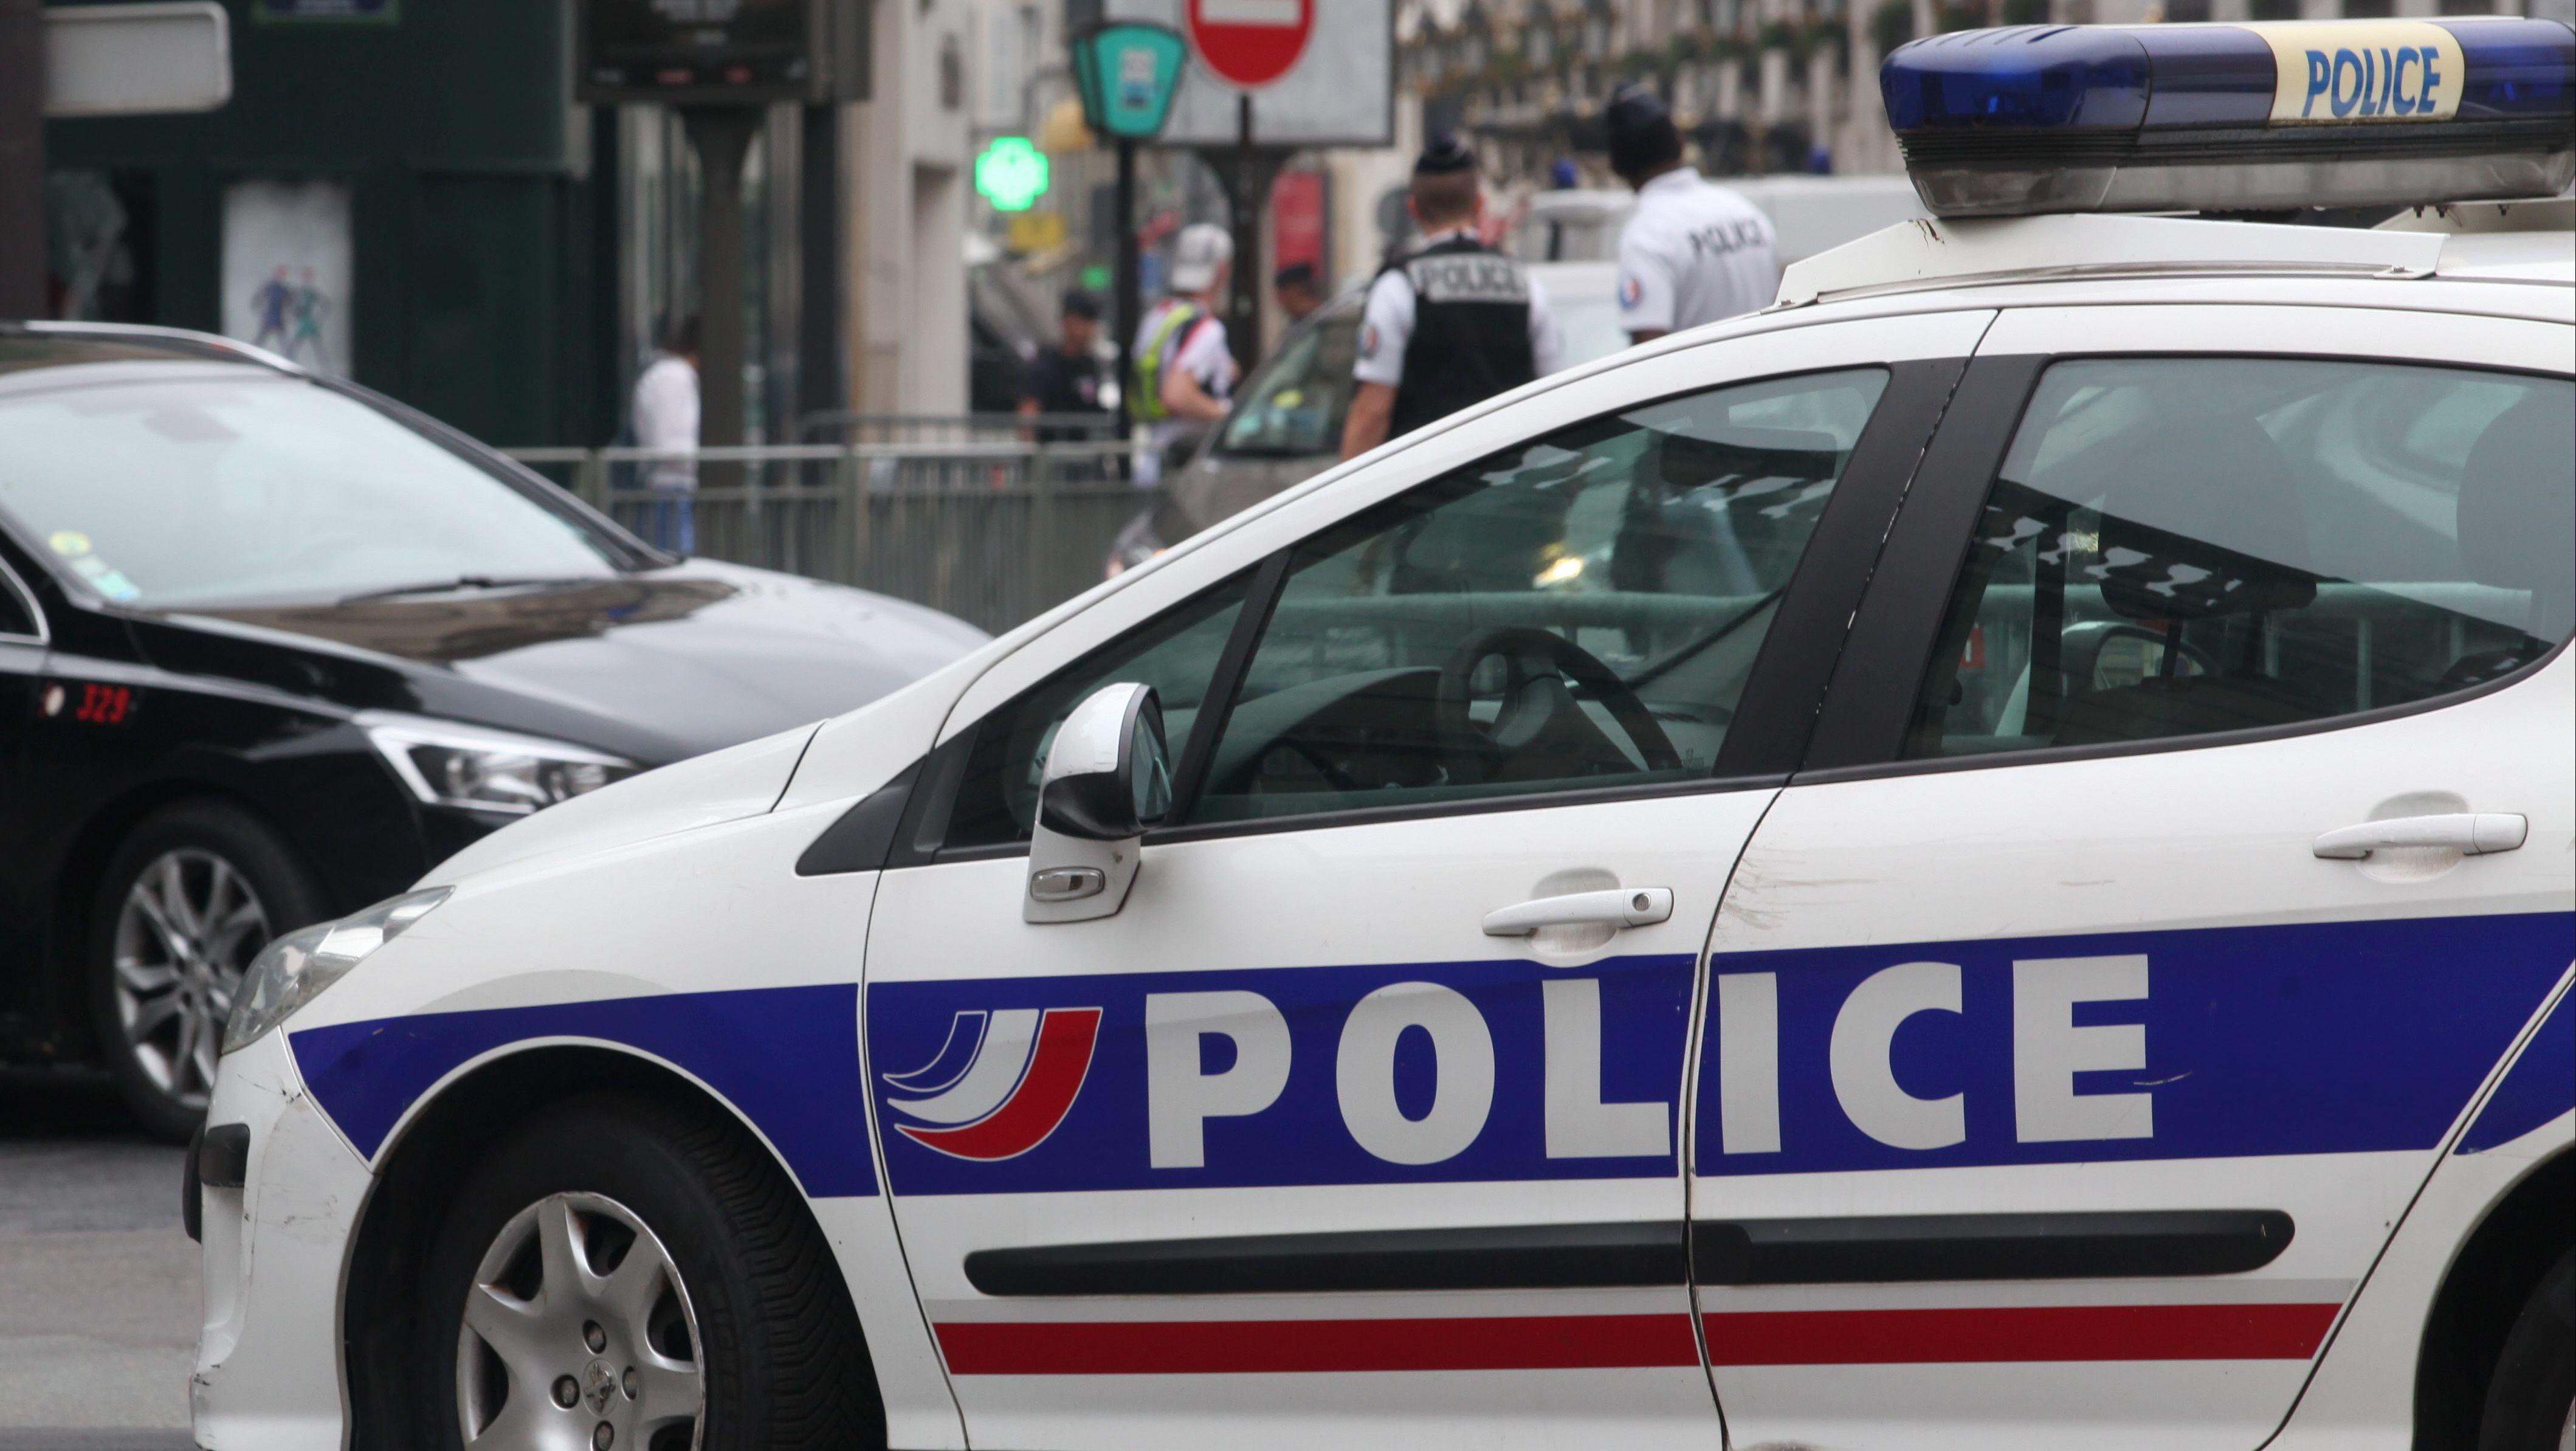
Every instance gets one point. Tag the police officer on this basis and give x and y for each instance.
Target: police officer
(1693, 251)
(1451, 323)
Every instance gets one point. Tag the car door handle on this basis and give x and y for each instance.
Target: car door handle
(2472, 833)
(1621, 907)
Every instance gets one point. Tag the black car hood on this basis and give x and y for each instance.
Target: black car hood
(654, 666)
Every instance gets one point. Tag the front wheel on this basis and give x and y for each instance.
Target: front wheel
(188, 899)
(615, 1274)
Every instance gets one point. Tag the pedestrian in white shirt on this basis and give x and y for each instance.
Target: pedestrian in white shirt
(666, 416)
(1184, 369)
(1693, 252)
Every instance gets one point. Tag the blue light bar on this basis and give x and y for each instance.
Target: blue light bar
(2228, 117)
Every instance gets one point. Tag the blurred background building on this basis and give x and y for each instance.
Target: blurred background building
(410, 194)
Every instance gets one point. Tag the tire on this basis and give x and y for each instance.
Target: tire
(711, 1283)
(221, 885)
(2531, 1402)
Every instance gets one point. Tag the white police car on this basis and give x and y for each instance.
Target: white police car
(1986, 858)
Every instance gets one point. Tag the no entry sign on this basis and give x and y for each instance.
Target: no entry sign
(1250, 43)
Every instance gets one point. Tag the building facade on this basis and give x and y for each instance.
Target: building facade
(1758, 86)
(405, 196)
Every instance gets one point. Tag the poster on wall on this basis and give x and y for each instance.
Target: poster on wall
(287, 270)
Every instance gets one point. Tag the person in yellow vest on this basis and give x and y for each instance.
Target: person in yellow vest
(1184, 369)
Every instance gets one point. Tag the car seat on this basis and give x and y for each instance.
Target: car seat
(2165, 496)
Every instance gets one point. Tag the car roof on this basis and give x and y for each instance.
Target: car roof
(1581, 202)
(2523, 242)
(31, 353)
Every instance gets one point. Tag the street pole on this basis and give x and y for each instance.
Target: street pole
(1243, 327)
(1131, 302)
(721, 136)
(822, 376)
(1249, 173)
(22, 159)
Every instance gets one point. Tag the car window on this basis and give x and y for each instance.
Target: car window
(203, 492)
(2175, 546)
(1176, 653)
(1579, 611)
(17, 616)
(1295, 403)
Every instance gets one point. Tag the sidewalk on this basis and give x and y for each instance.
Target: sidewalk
(98, 1284)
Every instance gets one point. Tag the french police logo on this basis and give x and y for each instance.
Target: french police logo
(1368, 341)
(1000, 1084)
(1631, 292)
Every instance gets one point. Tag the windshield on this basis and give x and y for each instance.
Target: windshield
(179, 494)
(1295, 403)
(1297, 400)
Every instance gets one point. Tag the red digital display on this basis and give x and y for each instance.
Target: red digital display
(88, 702)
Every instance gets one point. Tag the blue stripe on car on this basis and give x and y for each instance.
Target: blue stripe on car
(2539, 1086)
(786, 1058)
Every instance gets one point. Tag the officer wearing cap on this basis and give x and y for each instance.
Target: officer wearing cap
(1450, 323)
(1693, 251)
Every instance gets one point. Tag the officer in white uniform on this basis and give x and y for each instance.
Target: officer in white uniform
(1693, 251)
(1451, 322)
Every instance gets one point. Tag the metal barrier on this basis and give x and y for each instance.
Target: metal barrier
(947, 428)
(993, 533)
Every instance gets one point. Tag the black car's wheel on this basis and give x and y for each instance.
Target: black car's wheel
(186, 902)
(615, 1274)
(2531, 1403)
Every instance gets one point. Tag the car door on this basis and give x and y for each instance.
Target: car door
(1291, 1145)
(22, 662)
(2184, 841)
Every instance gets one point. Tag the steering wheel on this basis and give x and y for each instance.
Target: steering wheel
(1522, 648)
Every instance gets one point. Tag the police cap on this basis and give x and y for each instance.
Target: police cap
(1446, 155)
(1641, 131)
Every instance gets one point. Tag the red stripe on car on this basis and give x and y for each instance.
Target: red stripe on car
(2018, 1333)
(1593, 1342)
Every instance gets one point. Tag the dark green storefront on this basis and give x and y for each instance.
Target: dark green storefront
(481, 240)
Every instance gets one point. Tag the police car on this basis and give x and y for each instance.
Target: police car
(1985, 858)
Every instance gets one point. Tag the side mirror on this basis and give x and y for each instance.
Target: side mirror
(1107, 777)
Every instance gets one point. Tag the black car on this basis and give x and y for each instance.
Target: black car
(271, 646)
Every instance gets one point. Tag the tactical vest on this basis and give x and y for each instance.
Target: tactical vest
(1169, 337)
(1471, 331)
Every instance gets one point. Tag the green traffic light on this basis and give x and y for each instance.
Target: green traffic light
(1011, 173)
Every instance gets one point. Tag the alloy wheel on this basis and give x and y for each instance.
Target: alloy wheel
(578, 1333)
(188, 927)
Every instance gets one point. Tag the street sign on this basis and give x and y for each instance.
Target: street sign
(1340, 92)
(1036, 231)
(1127, 73)
(137, 60)
(1011, 174)
(1250, 43)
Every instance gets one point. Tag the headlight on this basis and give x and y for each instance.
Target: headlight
(291, 970)
(447, 764)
